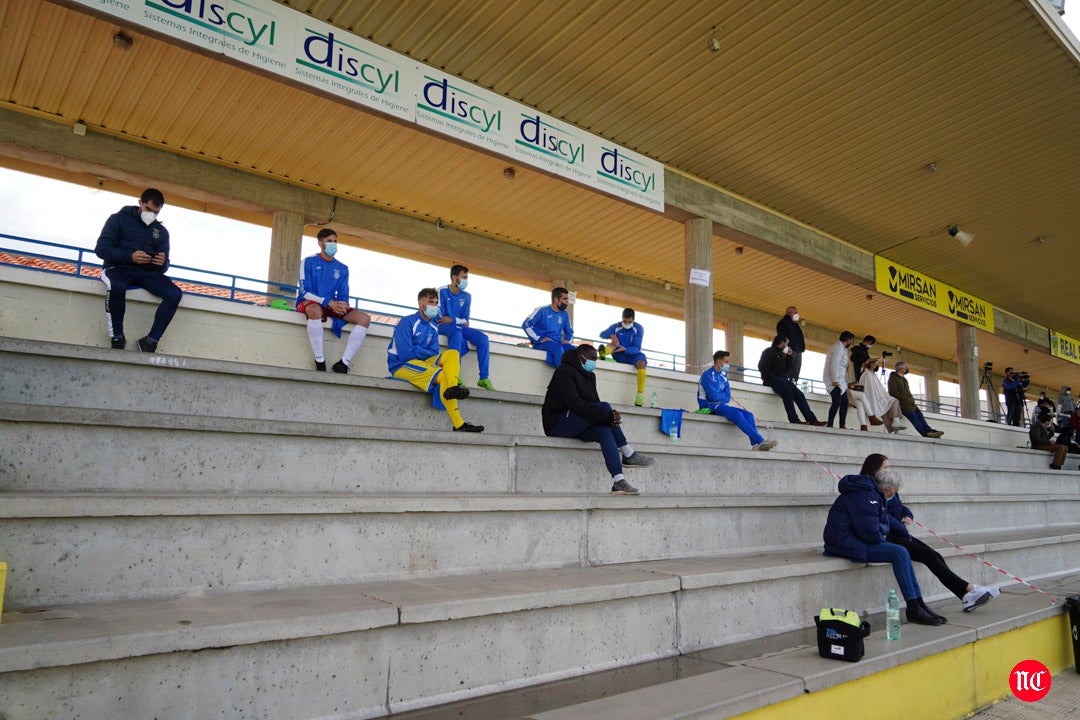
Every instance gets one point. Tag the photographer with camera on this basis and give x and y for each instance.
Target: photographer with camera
(1013, 387)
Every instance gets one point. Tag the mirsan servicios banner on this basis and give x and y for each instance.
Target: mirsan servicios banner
(911, 286)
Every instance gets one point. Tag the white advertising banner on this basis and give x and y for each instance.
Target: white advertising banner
(286, 42)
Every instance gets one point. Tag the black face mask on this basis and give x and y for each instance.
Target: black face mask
(562, 306)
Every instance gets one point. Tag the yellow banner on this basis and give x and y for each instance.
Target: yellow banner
(1064, 347)
(902, 283)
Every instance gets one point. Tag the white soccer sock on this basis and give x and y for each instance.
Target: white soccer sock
(356, 337)
(315, 333)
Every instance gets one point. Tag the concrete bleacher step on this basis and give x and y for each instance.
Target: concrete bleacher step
(67, 548)
(122, 450)
(61, 375)
(381, 647)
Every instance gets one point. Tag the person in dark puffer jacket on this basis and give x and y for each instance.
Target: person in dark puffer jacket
(572, 409)
(135, 249)
(856, 528)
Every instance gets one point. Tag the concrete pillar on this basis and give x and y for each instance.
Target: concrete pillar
(931, 379)
(733, 339)
(967, 365)
(698, 299)
(286, 233)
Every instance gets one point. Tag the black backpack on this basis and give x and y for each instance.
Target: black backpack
(840, 634)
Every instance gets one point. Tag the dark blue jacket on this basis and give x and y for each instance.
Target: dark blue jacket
(791, 330)
(897, 511)
(124, 233)
(856, 519)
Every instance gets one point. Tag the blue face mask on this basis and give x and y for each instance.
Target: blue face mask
(463, 283)
(589, 365)
(330, 249)
(723, 369)
(431, 311)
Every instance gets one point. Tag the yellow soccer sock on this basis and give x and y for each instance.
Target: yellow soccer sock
(450, 362)
(641, 380)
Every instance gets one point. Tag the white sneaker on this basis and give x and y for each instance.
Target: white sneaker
(765, 445)
(979, 595)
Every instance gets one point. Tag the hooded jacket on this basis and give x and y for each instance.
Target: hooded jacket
(857, 519)
(571, 389)
(124, 233)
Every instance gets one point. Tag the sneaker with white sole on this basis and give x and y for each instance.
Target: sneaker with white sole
(639, 460)
(765, 445)
(979, 595)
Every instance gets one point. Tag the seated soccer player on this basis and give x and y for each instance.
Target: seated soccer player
(413, 356)
(714, 394)
(626, 342)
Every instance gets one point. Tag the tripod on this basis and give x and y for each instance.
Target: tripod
(991, 394)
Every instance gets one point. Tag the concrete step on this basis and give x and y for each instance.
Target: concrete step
(385, 647)
(62, 375)
(65, 548)
(131, 451)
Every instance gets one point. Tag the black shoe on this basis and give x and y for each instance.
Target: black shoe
(147, 345)
(118, 342)
(1054, 467)
(469, 427)
(456, 393)
(339, 367)
(320, 365)
(916, 614)
(940, 618)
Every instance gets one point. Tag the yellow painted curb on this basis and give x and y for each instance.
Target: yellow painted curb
(950, 684)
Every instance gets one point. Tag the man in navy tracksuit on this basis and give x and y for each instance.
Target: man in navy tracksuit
(135, 249)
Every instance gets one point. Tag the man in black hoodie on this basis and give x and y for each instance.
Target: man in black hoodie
(572, 409)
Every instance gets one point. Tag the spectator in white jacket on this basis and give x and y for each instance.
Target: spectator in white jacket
(836, 364)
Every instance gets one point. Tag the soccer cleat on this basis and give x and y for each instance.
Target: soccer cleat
(703, 411)
(320, 365)
(456, 393)
(765, 445)
(640, 399)
(147, 345)
(118, 342)
(638, 460)
(623, 488)
(469, 427)
(341, 368)
(485, 383)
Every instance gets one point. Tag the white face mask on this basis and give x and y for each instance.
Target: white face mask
(795, 317)
(463, 283)
(148, 217)
(628, 325)
(330, 249)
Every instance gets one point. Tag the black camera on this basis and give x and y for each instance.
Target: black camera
(988, 366)
(886, 353)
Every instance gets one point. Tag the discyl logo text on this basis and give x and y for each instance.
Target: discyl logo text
(620, 168)
(251, 31)
(349, 62)
(545, 137)
(443, 97)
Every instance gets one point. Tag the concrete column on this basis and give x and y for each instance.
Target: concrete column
(931, 379)
(733, 339)
(698, 299)
(967, 365)
(286, 232)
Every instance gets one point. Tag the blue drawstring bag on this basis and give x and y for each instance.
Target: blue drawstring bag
(671, 420)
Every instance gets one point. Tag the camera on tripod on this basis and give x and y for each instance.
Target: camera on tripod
(886, 353)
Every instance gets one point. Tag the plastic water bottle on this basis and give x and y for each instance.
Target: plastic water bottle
(654, 401)
(892, 616)
(673, 434)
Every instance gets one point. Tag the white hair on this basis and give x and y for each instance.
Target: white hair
(887, 480)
